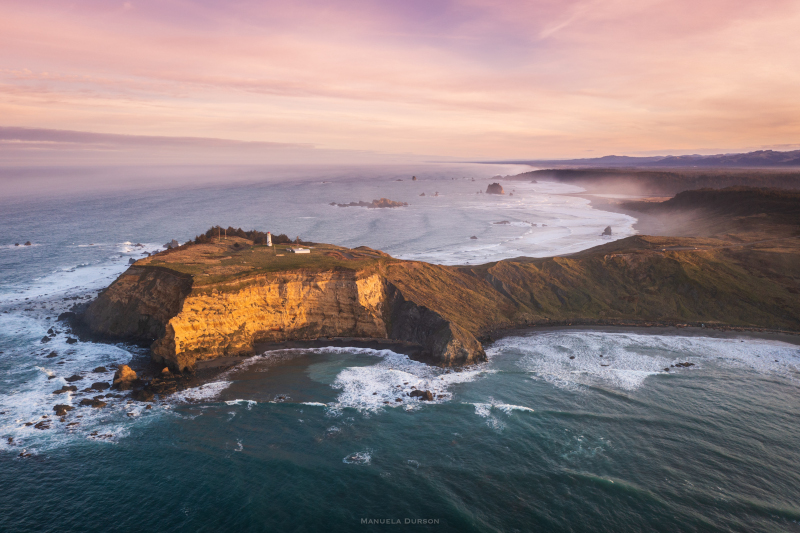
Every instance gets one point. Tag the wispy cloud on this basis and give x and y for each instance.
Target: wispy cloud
(465, 78)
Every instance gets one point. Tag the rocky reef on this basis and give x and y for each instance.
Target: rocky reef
(374, 204)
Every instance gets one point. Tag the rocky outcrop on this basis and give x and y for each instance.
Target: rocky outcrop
(448, 343)
(374, 204)
(124, 378)
(62, 410)
(139, 304)
(494, 188)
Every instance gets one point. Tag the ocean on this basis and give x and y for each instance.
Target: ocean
(561, 430)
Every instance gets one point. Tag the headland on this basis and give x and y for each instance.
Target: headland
(222, 298)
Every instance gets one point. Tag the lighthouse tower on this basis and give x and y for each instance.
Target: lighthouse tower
(269, 238)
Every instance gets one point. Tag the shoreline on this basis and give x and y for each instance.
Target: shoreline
(646, 224)
(209, 372)
(413, 351)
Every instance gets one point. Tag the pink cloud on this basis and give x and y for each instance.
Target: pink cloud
(466, 78)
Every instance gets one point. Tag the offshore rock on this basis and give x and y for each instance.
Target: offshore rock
(97, 404)
(426, 395)
(124, 377)
(494, 188)
(62, 410)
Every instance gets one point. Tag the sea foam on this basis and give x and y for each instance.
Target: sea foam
(574, 359)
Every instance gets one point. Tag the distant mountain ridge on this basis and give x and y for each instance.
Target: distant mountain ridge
(757, 159)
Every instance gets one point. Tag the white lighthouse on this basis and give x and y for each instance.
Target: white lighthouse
(269, 238)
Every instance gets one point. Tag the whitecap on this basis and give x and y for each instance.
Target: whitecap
(393, 377)
(208, 391)
(359, 458)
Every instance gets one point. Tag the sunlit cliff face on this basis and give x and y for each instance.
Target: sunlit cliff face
(471, 78)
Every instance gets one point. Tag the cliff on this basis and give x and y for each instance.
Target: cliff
(197, 303)
(219, 299)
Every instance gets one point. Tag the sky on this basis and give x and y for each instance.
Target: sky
(368, 80)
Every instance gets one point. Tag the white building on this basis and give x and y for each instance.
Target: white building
(300, 250)
(269, 238)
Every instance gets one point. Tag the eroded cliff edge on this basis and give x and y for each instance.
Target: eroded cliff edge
(189, 322)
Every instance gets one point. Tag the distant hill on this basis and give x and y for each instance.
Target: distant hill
(758, 159)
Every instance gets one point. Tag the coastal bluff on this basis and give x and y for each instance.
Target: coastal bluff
(226, 309)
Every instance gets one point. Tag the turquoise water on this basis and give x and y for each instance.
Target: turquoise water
(548, 435)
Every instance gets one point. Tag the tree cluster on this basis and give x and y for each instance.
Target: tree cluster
(258, 237)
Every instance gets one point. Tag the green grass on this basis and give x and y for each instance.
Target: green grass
(224, 262)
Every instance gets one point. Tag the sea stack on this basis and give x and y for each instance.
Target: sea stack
(494, 188)
(607, 231)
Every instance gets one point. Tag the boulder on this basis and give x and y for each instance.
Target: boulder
(100, 385)
(473, 237)
(426, 395)
(607, 231)
(52, 354)
(100, 370)
(74, 378)
(97, 404)
(70, 340)
(61, 409)
(45, 339)
(142, 395)
(124, 377)
(165, 386)
(66, 388)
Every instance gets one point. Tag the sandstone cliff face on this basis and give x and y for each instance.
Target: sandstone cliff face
(297, 306)
(191, 324)
(139, 304)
